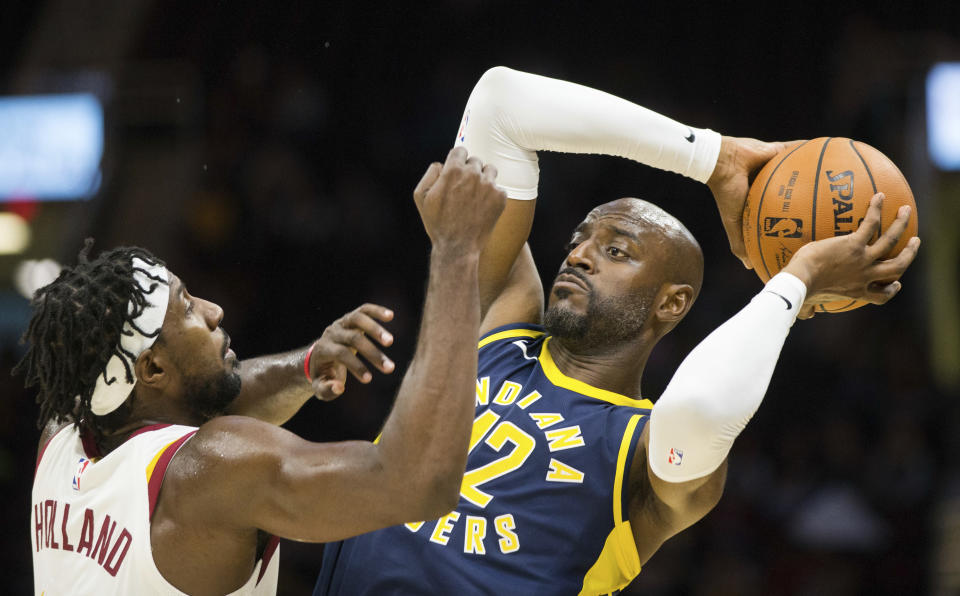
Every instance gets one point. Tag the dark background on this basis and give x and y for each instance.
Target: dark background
(267, 152)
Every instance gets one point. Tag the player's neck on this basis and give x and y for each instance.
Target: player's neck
(149, 408)
(115, 438)
(617, 368)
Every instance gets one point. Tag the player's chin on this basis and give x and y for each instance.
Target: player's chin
(568, 303)
(569, 296)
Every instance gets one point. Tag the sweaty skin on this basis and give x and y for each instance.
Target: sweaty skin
(626, 245)
(629, 254)
(239, 477)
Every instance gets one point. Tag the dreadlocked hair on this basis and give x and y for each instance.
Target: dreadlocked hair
(75, 330)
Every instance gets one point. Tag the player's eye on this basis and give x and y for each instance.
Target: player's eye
(569, 246)
(613, 251)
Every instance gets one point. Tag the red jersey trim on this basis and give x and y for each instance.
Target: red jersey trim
(90, 448)
(268, 552)
(158, 467)
(147, 428)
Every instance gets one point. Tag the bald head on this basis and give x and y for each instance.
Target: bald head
(631, 273)
(680, 257)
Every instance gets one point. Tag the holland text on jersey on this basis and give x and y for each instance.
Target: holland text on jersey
(107, 548)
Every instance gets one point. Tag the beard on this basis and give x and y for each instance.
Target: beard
(210, 396)
(609, 320)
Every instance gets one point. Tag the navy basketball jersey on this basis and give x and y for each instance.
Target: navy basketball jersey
(543, 502)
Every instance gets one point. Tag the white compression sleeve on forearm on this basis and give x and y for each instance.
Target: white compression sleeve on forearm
(510, 115)
(720, 384)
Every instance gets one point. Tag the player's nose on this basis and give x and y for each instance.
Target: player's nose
(581, 256)
(212, 313)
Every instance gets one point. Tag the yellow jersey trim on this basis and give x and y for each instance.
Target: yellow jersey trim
(508, 334)
(156, 458)
(619, 561)
(621, 464)
(561, 380)
(627, 555)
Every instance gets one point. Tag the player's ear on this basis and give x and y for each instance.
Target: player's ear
(672, 302)
(151, 368)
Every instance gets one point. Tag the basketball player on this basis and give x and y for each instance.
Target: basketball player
(574, 480)
(141, 488)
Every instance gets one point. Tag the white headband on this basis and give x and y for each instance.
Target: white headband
(112, 387)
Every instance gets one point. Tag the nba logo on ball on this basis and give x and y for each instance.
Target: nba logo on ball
(675, 456)
(783, 227)
(81, 468)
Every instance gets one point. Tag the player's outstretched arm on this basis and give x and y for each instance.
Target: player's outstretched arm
(680, 465)
(240, 474)
(511, 115)
(275, 387)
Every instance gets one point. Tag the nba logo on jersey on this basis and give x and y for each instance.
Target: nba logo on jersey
(675, 456)
(81, 467)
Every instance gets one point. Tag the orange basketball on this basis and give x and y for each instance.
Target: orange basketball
(818, 189)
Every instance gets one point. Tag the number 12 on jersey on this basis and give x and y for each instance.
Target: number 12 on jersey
(502, 433)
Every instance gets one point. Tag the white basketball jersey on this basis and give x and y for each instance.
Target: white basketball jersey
(90, 520)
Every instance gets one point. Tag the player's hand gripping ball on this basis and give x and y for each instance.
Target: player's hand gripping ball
(818, 189)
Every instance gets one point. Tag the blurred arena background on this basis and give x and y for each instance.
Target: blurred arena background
(267, 152)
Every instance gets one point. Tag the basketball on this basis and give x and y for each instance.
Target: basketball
(818, 189)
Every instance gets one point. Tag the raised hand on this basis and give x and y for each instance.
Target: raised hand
(852, 266)
(343, 342)
(459, 202)
(739, 159)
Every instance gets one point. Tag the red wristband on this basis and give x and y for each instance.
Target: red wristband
(306, 362)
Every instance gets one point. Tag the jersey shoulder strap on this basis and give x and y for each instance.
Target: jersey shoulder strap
(511, 331)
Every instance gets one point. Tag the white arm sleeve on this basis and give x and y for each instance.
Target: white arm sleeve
(720, 384)
(511, 115)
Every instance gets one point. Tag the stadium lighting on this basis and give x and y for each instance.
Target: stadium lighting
(943, 115)
(51, 146)
(32, 274)
(14, 234)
